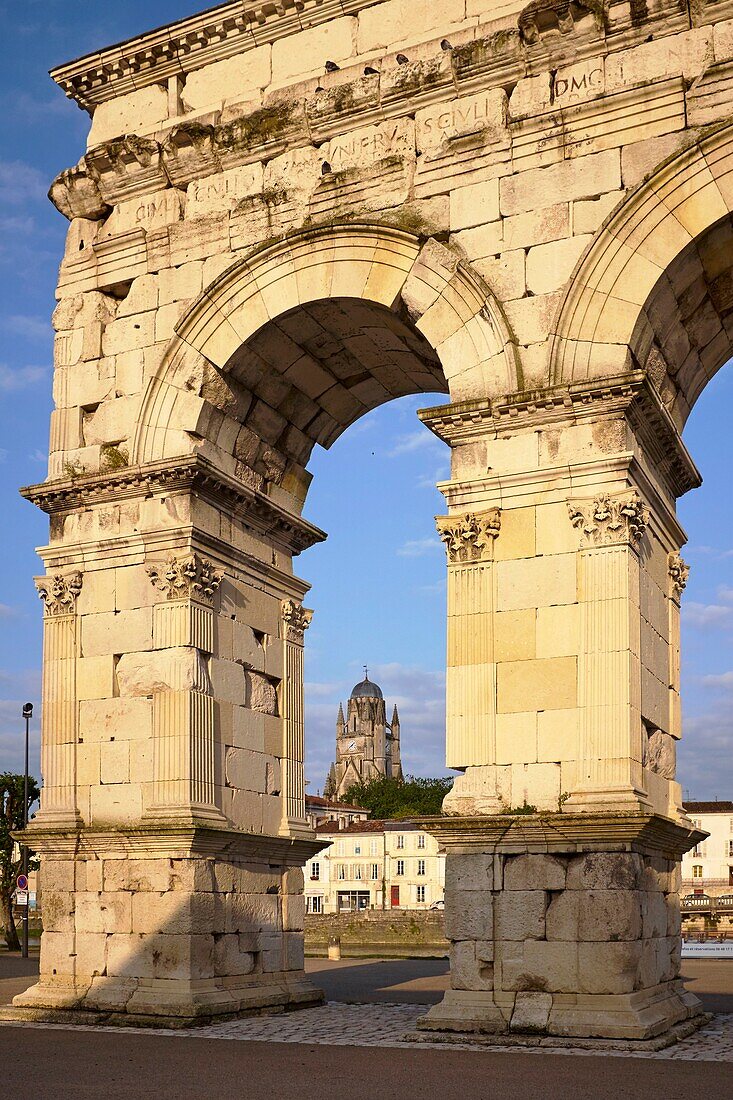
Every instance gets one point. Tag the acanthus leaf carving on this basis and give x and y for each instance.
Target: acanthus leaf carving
(679, 571)
(469, 537)
(59, 592)
(297, 619)
(610, 520)
(189, 577)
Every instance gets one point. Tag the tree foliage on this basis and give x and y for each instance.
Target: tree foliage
(400, 798)
(12, 817)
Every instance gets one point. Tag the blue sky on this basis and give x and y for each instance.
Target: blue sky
(379, 581)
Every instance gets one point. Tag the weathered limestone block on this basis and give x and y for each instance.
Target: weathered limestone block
(116, 632)
(469, 872)
(467, 971)
(605, 871)
(595, 915)
(469, 915)
(654, 913)
(534, 873)
(531, 1013)
(142, 674)
(105, 912)
(137, 113)
(538, 965)
(520, 915)
(261, 693)
(608, 968)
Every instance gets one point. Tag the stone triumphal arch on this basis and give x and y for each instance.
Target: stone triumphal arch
(287, 215)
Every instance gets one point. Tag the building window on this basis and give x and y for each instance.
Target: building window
(340, 848)
(730, 847)
(400, 867)
(357, 849)
(420, 893)
(315, 872)
(400, 842)
(315, 903)
(697, 870)
(421, 867)
(421, 840)
(374, 870)
(698, 852)
(373, 847)
(341, 871)
(357, 872)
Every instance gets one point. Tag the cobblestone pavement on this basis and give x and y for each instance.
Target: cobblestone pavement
(385, 1025)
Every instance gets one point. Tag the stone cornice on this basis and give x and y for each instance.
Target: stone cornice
(193, 474)
(554, 832)
(236, 27)
(632, 396)
(189, 44)
(172, 838)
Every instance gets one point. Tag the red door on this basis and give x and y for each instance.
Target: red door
(395, 897)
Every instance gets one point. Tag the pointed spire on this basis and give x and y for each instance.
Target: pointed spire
(395, 717)
(340, 721)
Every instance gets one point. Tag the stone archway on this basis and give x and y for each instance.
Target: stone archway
(452, 309)
(242, 281)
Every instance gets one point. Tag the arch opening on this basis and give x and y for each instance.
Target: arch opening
(290, 346)
(654, 291)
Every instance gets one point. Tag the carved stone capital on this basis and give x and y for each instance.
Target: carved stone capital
(610, 521)
(59, 592)
(679, 571)
(469, 537)
(297, 619)
(189, 577)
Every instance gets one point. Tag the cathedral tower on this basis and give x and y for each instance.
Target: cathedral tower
(367, 746)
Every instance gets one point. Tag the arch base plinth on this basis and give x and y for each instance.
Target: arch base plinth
(564, 926)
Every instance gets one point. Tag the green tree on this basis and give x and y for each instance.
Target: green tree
(11, 819)
(400, 798)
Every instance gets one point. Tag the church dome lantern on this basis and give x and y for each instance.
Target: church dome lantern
(367, 690)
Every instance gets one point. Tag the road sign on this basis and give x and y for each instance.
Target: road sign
(22, 883)
(21, 897)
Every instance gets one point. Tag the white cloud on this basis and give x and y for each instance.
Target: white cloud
(702, 616)
(724, 680)
(20, 183)
(430, 481)
(38, 456)
(7, 612)
(30, 327)
(17, 378)
(420, 440)
(417, 548)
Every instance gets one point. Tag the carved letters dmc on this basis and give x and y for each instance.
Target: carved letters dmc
(610, 521)
(469, 537)
(190, 577)
(59, 593)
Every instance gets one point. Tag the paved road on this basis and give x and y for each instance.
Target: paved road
(54, 1064)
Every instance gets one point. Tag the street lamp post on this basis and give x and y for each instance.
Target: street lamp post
(27, 714)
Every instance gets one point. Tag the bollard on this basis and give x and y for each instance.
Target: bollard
(334, 948)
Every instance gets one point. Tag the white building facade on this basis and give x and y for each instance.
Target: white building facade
(375, 865)
(708, 868)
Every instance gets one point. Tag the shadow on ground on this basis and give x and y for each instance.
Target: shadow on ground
(403, 981)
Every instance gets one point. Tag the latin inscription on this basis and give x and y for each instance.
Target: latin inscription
(222, 192)
(578, 83)
(364, 147)
(463, 117)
